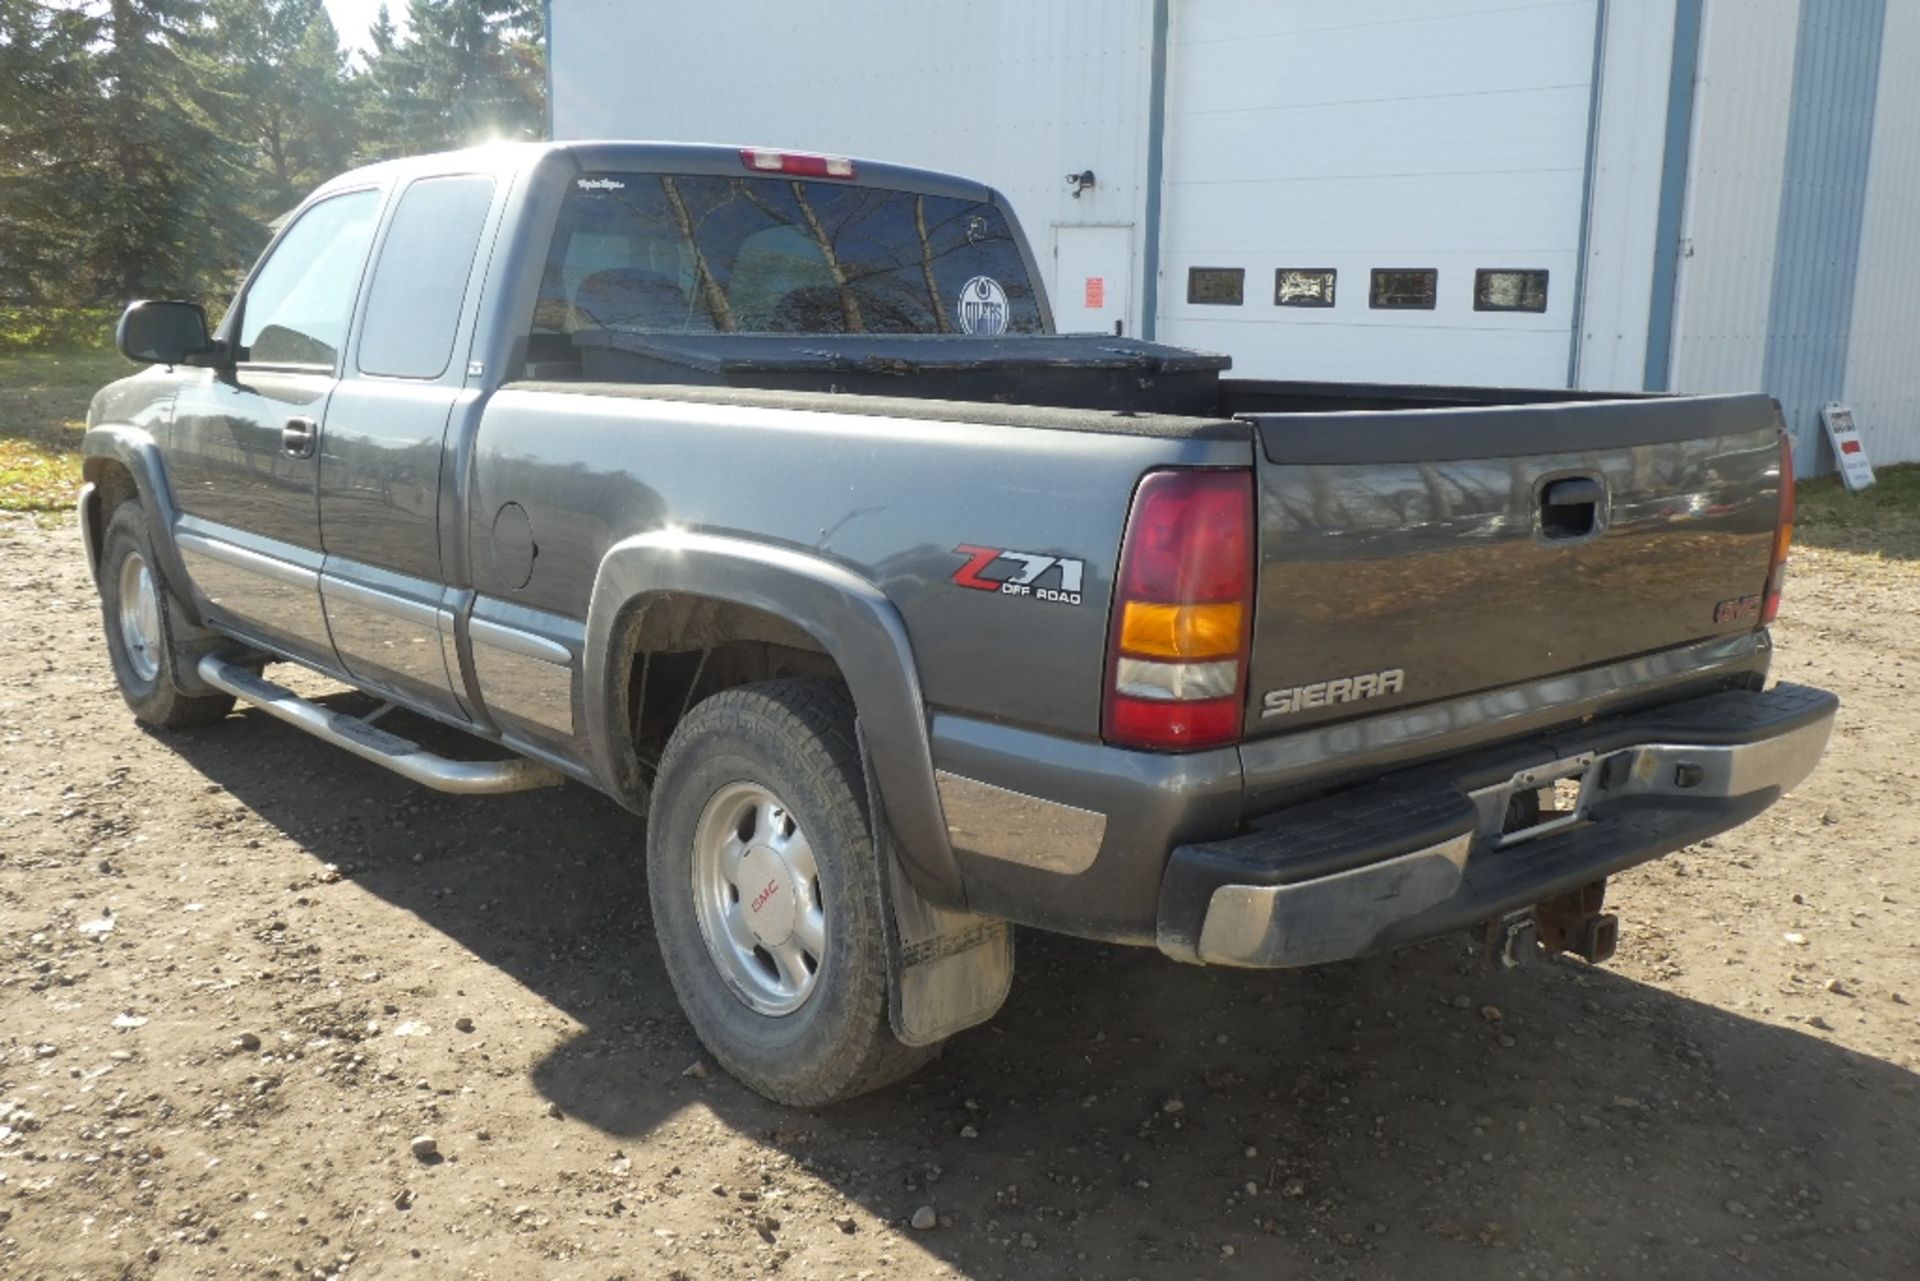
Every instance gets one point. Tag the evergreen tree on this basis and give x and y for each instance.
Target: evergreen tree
(165, 178)
(115, 183)
(144, 143)
(47, 71)
(282, 92)
(466, 71)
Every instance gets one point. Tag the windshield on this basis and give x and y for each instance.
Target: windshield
(659, 253)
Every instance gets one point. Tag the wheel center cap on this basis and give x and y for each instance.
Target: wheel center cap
(766, 892)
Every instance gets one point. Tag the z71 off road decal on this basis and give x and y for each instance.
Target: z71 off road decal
(1011, 573)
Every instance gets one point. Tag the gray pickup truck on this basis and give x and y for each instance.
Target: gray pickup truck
(754, 489)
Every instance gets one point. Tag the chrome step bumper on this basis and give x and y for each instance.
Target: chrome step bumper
(1409, 858)
(370, 743)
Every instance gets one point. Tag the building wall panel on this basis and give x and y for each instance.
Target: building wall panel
(1013, 93)
(1732, 219)
(1883, 360)
(1823, 201)
(1636, 66)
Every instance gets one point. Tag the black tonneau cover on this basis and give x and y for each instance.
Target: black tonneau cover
(1083, 371)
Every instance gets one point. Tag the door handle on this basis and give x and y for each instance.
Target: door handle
(299, 437)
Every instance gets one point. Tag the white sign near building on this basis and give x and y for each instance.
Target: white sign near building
(1848, 448)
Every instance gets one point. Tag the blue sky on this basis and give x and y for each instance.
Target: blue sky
(352, 18)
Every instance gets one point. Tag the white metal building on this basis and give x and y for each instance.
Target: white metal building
(1696, 195)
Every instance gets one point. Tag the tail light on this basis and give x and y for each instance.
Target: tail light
(1782, 534)
(1182, 612)
(797, 163)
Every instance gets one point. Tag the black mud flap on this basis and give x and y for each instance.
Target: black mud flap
(946, 970)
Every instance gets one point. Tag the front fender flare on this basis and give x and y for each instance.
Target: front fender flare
(135, 449)
(846, 615)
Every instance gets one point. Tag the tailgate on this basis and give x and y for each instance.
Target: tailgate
(1415, 555)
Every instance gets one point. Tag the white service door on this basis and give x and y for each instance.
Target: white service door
(1092, 279)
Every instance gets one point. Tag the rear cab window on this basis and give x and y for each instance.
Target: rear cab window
(413, 305)
(705, 254)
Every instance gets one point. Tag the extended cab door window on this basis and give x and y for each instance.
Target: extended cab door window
(413, 306)
(297, 308)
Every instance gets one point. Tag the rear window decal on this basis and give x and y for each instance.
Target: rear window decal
(983, 307)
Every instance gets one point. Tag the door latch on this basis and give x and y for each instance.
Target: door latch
(299, 437)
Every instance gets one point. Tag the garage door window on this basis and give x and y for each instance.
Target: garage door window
(1304, 286)
(1404, 288)
(1216, 286)
(1499, 289)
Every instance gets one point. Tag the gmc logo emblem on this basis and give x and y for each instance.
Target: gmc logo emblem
(760, 899)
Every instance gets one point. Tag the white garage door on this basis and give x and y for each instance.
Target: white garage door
(1426, 140)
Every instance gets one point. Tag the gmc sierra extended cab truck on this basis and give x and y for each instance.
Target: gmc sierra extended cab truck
(754, 489)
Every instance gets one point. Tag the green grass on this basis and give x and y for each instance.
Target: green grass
(1883, 520)
(43, 410)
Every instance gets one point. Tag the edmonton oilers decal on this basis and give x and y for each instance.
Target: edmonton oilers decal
(983, 307)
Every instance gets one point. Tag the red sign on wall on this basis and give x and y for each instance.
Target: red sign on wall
(1096, 293)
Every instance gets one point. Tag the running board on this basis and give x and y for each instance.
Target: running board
(403, 756)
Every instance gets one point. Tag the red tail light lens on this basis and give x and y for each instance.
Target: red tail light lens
(1782, 535)
(1182, 612)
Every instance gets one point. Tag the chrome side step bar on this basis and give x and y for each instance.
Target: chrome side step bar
(403, 756)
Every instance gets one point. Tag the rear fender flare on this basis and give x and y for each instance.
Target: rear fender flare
(850, 619)
(136, 450)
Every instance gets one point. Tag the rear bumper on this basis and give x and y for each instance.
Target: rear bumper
(1422, 854)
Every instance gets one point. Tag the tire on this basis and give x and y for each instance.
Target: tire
(153, 647)
(771, 773)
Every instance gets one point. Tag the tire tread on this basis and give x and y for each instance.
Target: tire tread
(809, 713)
(165, 705)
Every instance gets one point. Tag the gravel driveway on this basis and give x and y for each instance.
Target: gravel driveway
(241, 973)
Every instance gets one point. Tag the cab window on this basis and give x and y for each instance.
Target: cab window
(413, 304)
(297, 309)
(697, 254)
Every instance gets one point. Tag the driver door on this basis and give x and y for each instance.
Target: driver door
(244, 445)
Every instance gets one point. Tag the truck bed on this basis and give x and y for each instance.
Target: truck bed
(1407, 549)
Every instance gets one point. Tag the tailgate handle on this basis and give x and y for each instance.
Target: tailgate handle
(1570, 508)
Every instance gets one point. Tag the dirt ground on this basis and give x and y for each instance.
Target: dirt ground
(240, 972)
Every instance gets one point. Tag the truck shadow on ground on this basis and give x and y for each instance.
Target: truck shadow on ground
(1128, 1117)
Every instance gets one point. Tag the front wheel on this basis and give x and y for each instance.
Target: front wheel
(152, 647)
(761, 873)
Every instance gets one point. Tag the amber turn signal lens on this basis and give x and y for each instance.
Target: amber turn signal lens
(1181, 631)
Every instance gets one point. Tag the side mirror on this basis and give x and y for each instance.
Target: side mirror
(165, 333)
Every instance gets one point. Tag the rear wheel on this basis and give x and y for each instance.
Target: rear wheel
(760, 868)
(152, 646)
